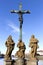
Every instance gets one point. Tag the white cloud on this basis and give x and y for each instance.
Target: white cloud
(14, 28)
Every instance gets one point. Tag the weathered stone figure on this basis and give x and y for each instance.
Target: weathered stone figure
(10, 46)
(34, 45)
(21, 52)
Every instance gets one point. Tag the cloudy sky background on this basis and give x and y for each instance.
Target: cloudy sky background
(32, 23)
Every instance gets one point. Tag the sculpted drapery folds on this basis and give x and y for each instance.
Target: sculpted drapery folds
(10, 46)
(34, 45)
(21, 52)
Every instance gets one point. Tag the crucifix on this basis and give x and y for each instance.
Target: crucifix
(20, 12)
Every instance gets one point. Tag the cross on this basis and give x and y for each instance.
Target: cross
(20, 12)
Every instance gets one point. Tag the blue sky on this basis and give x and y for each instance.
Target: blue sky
(32, 23)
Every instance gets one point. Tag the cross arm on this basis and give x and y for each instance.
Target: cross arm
(20, 11)
(14, 11)
(26, 11)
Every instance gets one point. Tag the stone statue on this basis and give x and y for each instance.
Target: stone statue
(21, 52)
(34, 45)
(10, 46)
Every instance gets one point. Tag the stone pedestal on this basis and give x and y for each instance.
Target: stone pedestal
(9, 62)
(20, 62)
(32, 62)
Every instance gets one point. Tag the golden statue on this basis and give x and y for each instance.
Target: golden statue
(21, 52)
(10, 46)
(34, 45)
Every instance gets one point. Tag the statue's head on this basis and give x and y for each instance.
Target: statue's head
(10, 37)
(32, 36)
(10, 41)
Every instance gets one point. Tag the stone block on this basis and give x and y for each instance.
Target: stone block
(20, 62)
(32, 62)
(9, 62)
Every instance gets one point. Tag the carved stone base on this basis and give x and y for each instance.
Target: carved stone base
(9, 62)
(32, 62)
(20, 62)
